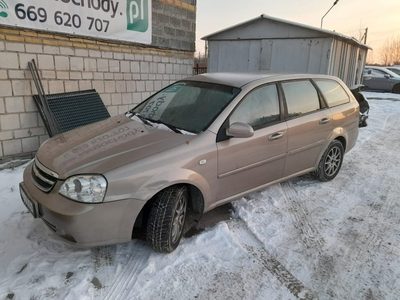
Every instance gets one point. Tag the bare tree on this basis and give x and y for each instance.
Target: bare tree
(360, 34)
(200, 59)
(390, 51)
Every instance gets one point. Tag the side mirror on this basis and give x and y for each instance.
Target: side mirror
(369, 72)
(240, 130)
(387, 76)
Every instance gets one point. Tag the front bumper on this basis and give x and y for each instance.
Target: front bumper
(85, 224)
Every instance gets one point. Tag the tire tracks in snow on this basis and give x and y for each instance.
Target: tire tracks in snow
(103, 259)
(311, 238)
(300, 217)
(254, 247)
(368, 231)
(126, 278)
(341, 276)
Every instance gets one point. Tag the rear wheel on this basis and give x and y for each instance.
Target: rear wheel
(396, 89)
(330, 162)
(167, 219)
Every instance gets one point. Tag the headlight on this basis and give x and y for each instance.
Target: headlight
(85, 188)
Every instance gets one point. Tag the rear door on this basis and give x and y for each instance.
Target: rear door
(247, 163)
(309, 125)
(345, 115)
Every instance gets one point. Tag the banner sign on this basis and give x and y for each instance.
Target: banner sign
(126, 20)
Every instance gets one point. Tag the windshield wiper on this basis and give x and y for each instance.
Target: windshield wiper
(151, 123)
(143, 119)
(173, 128)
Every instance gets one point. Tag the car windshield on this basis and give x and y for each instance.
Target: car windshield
(187, 105)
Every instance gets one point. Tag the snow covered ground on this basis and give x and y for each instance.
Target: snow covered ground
(301, 239)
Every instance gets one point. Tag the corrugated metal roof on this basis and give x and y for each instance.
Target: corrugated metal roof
(330, 33)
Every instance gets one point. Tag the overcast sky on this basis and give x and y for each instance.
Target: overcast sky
(349, 17)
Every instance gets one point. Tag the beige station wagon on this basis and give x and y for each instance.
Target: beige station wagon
(197, 144)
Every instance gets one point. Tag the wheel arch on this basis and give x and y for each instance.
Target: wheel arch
(331, 161)
(342, 135)
(339, 135)
(343, 141)
(195, 205)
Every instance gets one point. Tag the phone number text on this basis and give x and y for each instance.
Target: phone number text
(34, 14)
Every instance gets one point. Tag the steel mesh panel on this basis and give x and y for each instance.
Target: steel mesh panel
(75, 109)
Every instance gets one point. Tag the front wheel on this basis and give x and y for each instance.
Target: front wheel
(330, 162)
(396, 89)
(167, 219)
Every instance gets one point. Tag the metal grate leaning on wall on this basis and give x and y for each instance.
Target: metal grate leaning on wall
(74, 109)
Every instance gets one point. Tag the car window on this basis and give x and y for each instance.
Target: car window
(377, 73)
(301, 97)
(259, 107)
(333, 92)
(190, 106)
(394, 70)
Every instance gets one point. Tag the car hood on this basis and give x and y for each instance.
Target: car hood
(105, 145)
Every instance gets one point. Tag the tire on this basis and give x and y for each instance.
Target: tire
(330, 162)
(167, 219)
(396, 89)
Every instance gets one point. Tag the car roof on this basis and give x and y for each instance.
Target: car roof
(240, 79)
(384, 69)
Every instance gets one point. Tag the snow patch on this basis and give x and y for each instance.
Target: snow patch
(300, 239)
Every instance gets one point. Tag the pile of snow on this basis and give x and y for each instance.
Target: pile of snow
(301, 239)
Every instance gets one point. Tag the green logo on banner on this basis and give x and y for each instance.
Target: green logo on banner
(3, 5)
(137, 12)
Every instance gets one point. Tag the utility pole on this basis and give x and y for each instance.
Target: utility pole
(365, 35)
(322, 19)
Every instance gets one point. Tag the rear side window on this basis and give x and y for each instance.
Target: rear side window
(301, 97)
(333, 92)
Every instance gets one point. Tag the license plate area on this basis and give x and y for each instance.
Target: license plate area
(30, 204)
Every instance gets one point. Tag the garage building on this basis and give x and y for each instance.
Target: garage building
(267, 43)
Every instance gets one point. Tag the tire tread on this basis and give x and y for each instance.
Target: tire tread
(319, 173)
(161, 217)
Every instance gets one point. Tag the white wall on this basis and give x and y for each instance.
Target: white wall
(123, 76)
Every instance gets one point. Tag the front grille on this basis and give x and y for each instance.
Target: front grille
(43, 178)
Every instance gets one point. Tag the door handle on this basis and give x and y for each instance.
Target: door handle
(275, 136)
(324, 121)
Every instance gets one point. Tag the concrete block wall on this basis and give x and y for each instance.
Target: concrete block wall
(174, 24)
(122, 74)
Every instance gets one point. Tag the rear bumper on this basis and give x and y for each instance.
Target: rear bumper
(80, 223)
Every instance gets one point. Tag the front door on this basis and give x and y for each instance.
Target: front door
(247, 163)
